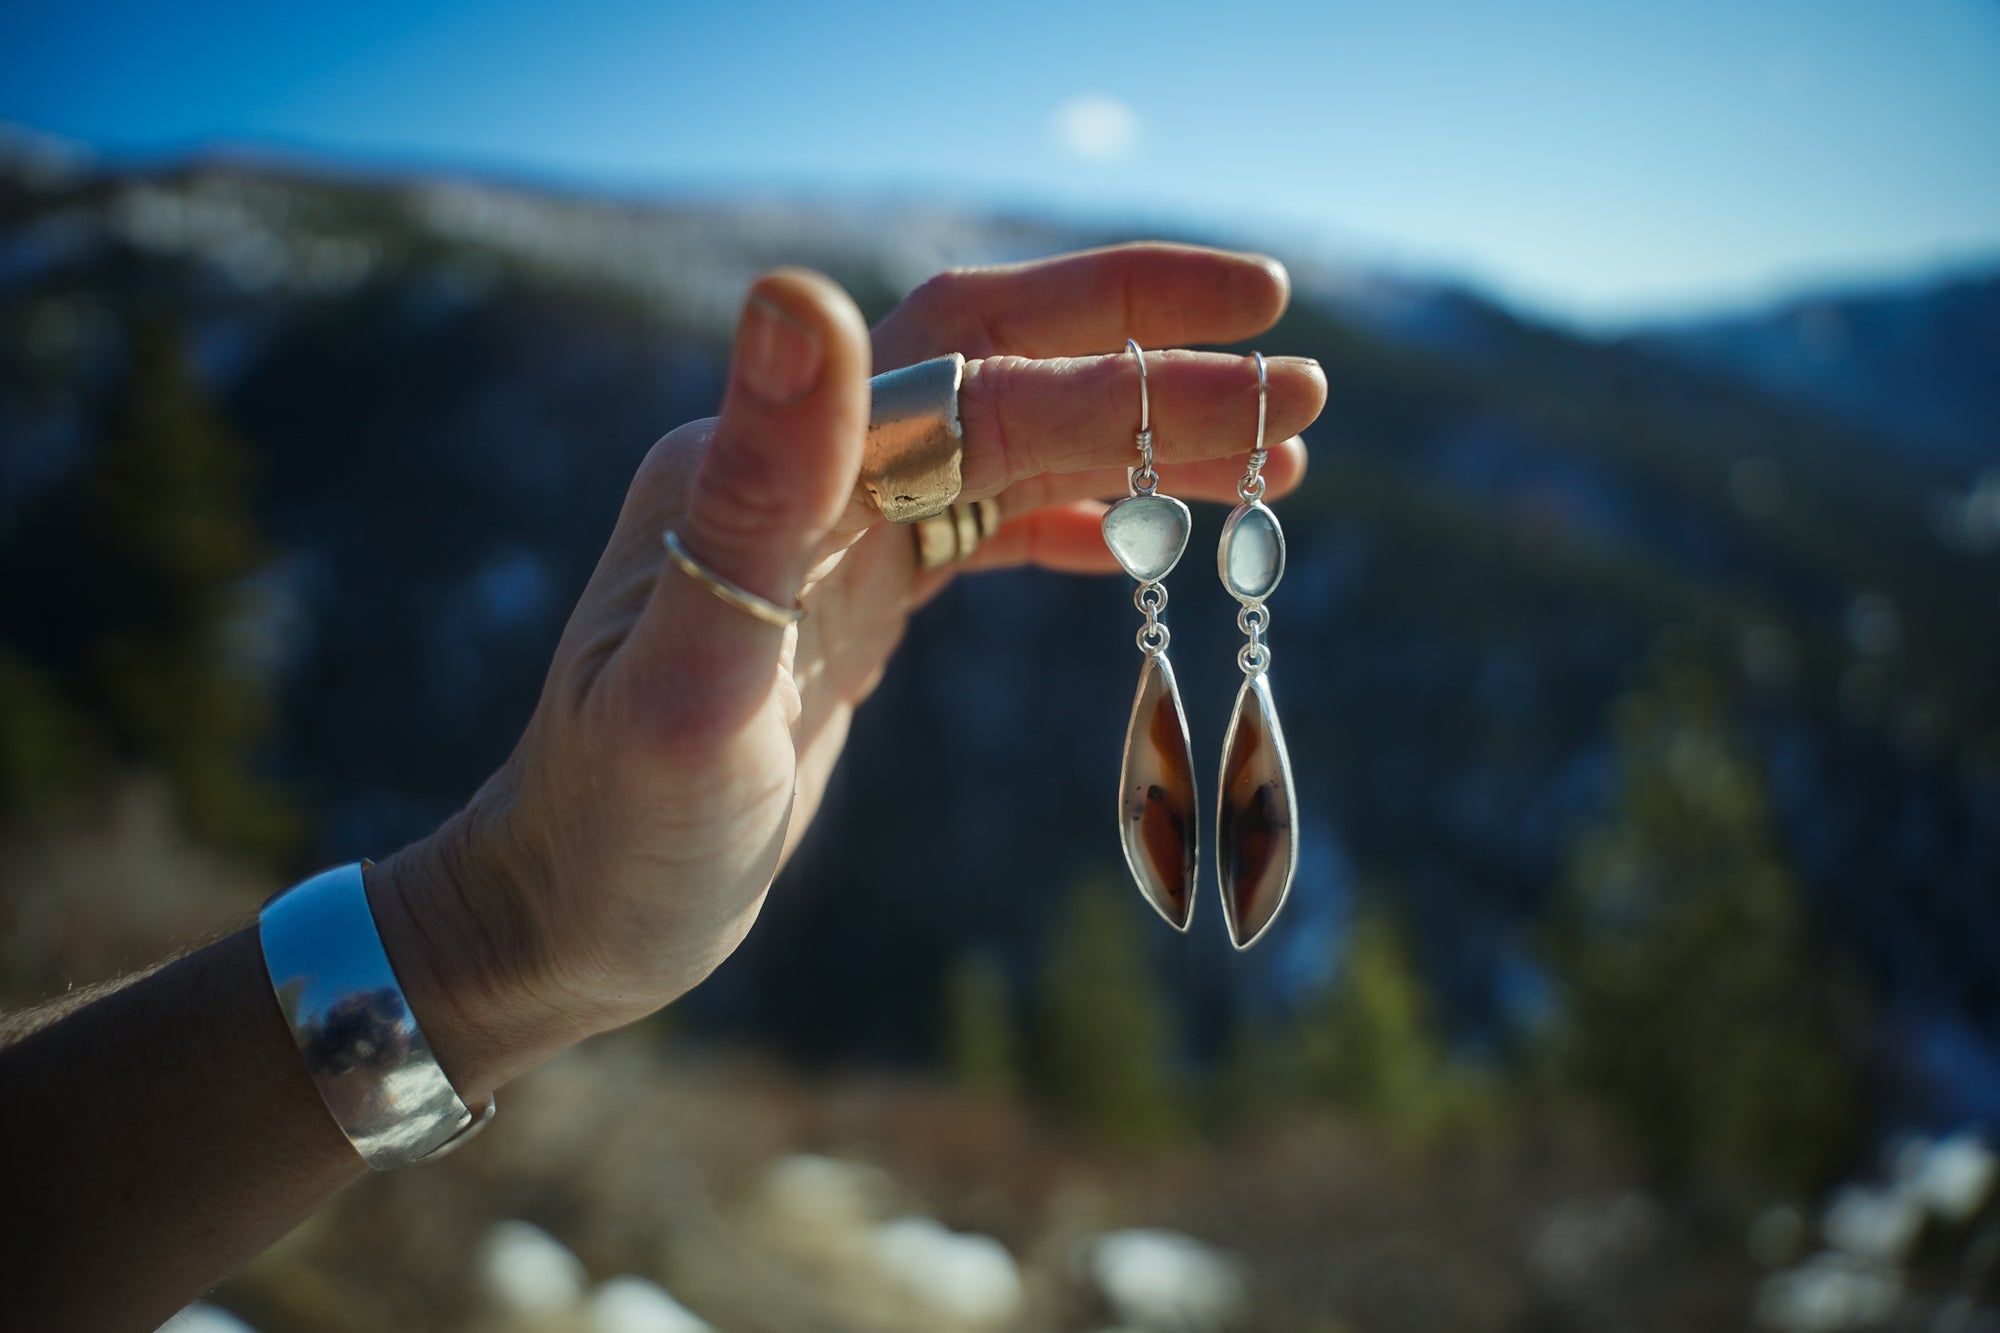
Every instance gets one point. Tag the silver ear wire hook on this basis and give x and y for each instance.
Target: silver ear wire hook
(1145, 403)
(1252, 485)
(1263, 402)
(1144, 479)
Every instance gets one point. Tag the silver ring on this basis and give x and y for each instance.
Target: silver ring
(739, 597)
(912, 465)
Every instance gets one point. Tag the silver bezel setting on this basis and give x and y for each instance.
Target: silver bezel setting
(1260, 685)
(1230, 525)
(1159, 661)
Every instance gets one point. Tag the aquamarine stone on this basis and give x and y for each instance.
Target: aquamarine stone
(1146, 534)
(1251, 558)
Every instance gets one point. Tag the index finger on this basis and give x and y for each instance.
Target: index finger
(1160, 294)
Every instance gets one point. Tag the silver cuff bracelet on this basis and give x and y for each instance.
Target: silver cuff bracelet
(347, 1013)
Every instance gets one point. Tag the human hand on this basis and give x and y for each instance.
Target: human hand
(680, 746)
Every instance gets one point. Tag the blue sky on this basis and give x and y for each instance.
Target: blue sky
(1601, 161)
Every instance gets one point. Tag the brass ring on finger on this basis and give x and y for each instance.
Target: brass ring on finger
(956, 533)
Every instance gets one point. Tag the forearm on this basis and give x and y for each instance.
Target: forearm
(164, 1131)
(155, 1139)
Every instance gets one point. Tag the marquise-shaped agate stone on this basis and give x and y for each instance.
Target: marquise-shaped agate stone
(1156, 818)
(1146, 534)
(1251, 556)
(1257, 846)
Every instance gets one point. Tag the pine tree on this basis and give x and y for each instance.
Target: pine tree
(174, 536)
(1694, 1012)
(983, 1041)
(1370, 1046)
(1104, 1025)
(46, 758)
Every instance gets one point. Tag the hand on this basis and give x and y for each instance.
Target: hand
(680, 747)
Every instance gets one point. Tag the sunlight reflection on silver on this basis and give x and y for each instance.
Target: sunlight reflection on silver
(347, 1014)
(913, 458)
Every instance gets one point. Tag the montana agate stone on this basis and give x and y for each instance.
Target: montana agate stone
(1146, 534)
(1251, 556)
(1156, 819)
(1256, 842)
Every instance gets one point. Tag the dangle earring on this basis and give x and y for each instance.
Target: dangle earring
(1146, 533)
(1257, 847)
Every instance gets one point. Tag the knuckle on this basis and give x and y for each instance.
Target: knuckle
(958, 310)
(694, 436)
(940, 304)
(676, 455)
(739, 497)
(933, 296)
(664, 729)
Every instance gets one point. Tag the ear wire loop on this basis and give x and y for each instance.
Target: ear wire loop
(1252, 486)
(1144, 480)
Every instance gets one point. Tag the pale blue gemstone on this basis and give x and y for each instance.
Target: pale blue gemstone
(1147, 533)
(1252, 556)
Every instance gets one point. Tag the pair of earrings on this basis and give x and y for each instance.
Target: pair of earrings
(1256, 841)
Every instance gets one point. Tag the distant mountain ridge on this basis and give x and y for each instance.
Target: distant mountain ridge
(1919, 362)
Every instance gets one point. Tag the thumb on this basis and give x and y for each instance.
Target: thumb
(775, 478)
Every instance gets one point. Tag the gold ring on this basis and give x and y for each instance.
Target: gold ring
(956, 533)
(739, 597)
(912, 464)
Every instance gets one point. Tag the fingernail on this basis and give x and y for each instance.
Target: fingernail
(777, 358)
(1304, 361)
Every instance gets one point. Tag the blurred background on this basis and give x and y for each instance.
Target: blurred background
(1638, 653)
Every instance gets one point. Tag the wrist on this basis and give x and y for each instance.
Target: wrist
(456, 936)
